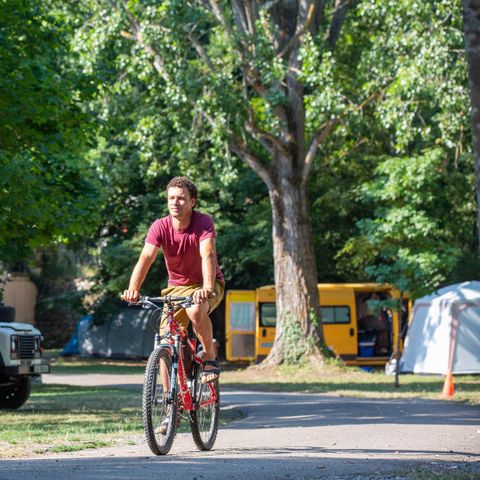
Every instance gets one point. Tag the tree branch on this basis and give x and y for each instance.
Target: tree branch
(136, 26)
(302, 28)
(323, 133)
(247, 12)
(269, 141)
(240, 148)
(339, 15)
(201, 51)
(240, 16)
(215, 7)
(252, 16)
(246, 15)
(251, 77)
(318, 16)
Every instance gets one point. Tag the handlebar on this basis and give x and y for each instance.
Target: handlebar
(185, 302)
(166, 299)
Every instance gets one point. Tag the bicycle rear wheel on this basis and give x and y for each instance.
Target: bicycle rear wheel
(204, 419)
(159, 407)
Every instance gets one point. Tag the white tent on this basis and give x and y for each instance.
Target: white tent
(444, 332)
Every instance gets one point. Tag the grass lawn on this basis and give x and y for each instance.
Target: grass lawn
(350, 381)
(76, 365)
(62, 418)
(330, 378)
(66, 418)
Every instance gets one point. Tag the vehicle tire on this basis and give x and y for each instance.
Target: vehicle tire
(7, 314)
(204, 419)
(158, 405)
(16, 393)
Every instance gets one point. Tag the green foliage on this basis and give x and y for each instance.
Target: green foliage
(373, 199)
(408, 242)
(47, 191)
(150, 132)
(94, 125)
(244, 232)
(418, 202)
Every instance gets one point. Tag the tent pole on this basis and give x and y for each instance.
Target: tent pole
(399, 335)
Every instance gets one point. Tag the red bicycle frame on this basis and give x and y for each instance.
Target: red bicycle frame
(177, 337)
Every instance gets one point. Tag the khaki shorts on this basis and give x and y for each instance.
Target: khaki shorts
(182, 290)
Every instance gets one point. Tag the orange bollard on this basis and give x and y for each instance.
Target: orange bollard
(448, 389)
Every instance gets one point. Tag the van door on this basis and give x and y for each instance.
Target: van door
(339, 321)
(375, 327)
(266, 323)
(240, 325)
(266, 320)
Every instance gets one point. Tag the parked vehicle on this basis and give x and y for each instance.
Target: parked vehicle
(20, 359)
(353, 330)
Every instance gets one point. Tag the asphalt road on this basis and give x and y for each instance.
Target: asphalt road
(290, 436)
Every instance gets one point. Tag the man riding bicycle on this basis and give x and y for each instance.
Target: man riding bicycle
(187, 239)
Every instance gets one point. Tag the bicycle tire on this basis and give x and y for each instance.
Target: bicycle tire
(204, 419)
(157, 406)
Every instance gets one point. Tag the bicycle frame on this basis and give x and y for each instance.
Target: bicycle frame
(176, 337)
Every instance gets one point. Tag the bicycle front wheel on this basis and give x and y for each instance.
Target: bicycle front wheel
(204, 419)
(159, 406)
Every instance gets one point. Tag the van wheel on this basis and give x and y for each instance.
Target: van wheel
(7, 314)
(16, 393)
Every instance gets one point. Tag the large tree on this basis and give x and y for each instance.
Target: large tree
(264, 81)
(241, 70)
(279, 84)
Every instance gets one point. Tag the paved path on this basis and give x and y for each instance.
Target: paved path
(289, 436)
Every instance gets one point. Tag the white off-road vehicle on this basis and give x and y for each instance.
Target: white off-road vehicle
(20, 359)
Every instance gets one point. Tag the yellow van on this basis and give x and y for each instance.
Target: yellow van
(352, 330)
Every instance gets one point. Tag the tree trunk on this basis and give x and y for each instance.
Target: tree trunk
(471, 22)
(298, 330)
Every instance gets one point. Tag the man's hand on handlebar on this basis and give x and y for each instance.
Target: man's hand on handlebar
(131, 296)
(202, 295)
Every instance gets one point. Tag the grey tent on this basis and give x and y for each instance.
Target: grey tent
(129, 334)
(445, 332)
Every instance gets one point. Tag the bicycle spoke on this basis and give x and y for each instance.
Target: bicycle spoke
(204, 419)
(159, 412)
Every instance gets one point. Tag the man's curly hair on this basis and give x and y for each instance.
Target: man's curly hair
(184, 182)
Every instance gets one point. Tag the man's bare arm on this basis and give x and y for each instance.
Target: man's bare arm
(147, 257)
(209, 268)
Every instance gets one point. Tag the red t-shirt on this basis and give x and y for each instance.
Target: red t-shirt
(181, 248)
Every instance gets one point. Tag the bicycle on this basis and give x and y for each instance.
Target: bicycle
(172, 384)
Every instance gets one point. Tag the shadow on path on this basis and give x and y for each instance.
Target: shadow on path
(283, 410)
(305, 463)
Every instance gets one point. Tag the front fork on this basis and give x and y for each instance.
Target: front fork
(175, 359)
(174, 350)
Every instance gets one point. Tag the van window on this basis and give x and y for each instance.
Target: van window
(268, 314)
(242, 316)
(335, 314)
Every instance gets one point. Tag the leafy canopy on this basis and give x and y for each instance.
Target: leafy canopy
(47, 192)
